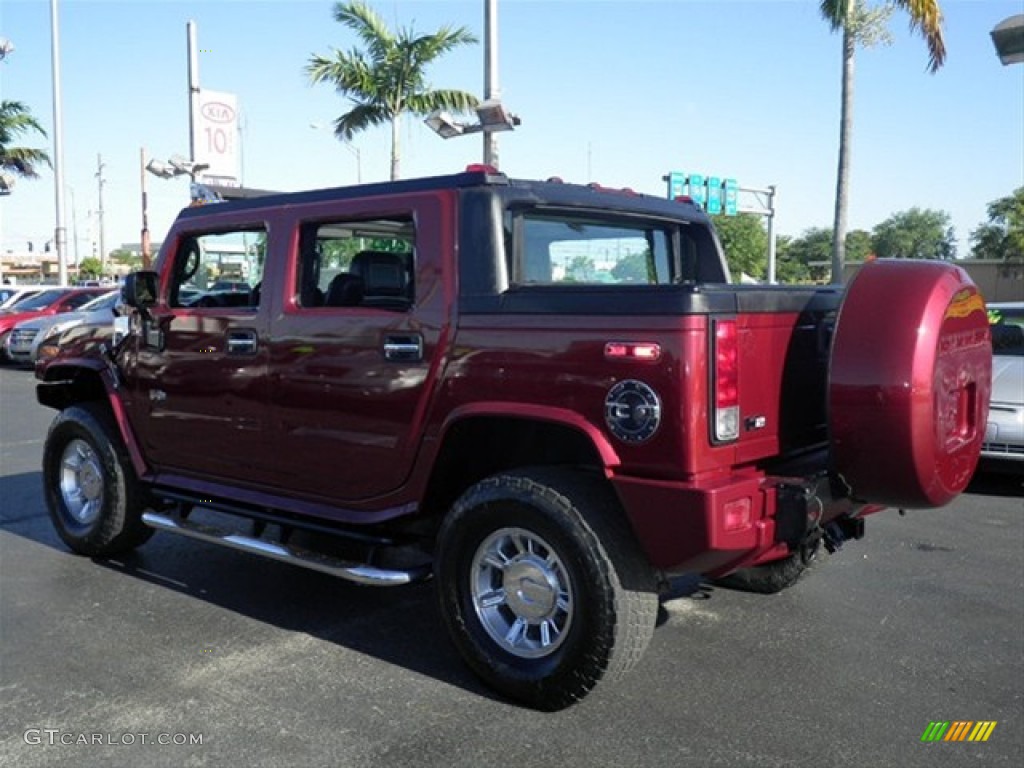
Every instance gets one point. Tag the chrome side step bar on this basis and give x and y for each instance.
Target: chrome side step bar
(360, 574)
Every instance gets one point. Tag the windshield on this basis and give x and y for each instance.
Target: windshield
(1007, 330)
(40, 300)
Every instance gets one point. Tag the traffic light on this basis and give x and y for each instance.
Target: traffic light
(30, 246)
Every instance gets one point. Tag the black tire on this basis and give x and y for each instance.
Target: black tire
(587, 598)
(92, 494)
(776, 576)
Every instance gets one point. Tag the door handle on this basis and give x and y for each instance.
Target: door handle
(242, 342)
(405, 348)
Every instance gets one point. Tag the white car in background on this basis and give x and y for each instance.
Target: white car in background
(1004, 434)
(22, 345)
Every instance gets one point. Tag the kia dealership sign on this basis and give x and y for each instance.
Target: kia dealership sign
(215, 132)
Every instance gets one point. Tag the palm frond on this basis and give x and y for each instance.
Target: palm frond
(926, 19)
(359, 118)
(16, 119)
(364, 21)
(23, 160)
(350, 74)
(834, 12)
(424, 103)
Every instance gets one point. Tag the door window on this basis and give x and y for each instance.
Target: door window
(219, 269)
(367, 263)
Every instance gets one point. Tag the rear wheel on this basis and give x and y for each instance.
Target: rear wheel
(776, 576)
(543, 587)
(92, 494)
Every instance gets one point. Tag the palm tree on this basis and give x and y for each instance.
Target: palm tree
(15, 119)
(388, 78)
(859, 24)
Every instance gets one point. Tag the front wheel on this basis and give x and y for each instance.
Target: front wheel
(542, 586)
(92, 494)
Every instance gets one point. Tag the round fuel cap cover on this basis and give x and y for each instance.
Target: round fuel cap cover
(632, 411)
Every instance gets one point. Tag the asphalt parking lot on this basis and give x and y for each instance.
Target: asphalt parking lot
(269, 665)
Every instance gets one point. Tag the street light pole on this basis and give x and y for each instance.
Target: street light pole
(491, 90)
(60, 231)
(193, 88)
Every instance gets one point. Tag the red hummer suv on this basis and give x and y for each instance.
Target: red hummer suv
(546, 395)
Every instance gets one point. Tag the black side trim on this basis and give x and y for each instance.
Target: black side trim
(653, 300)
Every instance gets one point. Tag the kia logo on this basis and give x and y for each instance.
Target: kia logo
(218, 112)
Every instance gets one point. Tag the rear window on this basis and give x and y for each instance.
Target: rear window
(565, 248)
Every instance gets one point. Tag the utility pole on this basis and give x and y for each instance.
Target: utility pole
(193, 88)
(99, 214)
(74, 226)
(491, 89)
(60, 234)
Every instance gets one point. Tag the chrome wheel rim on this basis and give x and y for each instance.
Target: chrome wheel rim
(522, 593)
(81, 481)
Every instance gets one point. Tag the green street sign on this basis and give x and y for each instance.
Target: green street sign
(698, 190)
(714, 195)
(732, 195)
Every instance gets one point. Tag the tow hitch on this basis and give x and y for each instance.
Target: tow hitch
(839, 531)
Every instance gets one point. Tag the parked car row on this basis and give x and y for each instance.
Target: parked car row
(33, 318)
(27, 317)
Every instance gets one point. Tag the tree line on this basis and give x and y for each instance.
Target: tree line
(917, 233)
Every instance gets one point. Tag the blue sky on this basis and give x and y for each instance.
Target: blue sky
(615, 92)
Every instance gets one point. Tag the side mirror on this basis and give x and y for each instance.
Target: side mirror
(140, 290)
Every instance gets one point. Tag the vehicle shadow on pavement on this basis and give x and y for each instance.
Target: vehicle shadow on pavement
(400, 626)
(21, 499)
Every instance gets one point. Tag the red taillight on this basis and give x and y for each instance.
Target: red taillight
(726, 381)
(481, 168)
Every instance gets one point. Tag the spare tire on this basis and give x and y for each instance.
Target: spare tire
(909, 383)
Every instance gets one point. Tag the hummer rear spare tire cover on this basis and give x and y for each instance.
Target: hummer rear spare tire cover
(909, 383)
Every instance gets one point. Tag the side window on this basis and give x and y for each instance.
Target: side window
(364, 263)
(219, 269)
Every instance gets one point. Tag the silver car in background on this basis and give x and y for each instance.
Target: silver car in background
(22, 345)
(1004, 434)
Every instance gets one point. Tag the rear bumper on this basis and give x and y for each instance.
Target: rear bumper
(716, 527)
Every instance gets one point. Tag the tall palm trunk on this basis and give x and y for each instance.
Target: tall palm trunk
(845, 141)
(396, 152)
